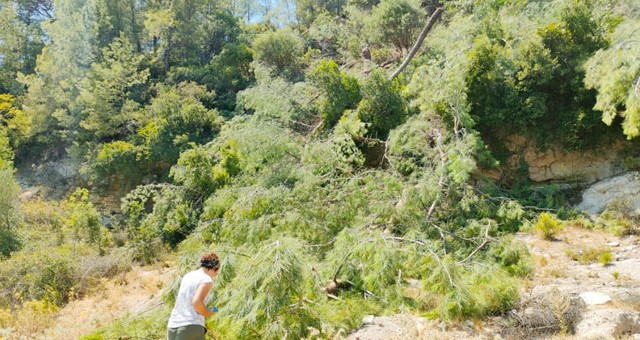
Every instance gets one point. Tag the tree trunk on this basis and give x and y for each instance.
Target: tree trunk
(432, 20)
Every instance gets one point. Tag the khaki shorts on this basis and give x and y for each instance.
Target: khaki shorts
(189, 332)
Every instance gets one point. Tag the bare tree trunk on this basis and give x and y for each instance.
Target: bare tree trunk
(432, 20)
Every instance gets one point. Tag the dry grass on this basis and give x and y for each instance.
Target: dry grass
(32, 317)
(588, 255)
(106, 301)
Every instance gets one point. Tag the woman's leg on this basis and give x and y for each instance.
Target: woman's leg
(190, 332)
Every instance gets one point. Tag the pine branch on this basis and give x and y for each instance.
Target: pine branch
(396, 238)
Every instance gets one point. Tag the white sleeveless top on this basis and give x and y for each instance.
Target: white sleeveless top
(183, 313)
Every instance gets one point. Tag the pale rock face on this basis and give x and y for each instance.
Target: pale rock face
(608, 324)
(623, 187)
(595, 298)
(554, 164)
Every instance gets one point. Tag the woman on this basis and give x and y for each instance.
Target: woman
(187, 317)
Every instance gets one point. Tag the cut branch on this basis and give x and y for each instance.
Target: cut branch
(432, 20)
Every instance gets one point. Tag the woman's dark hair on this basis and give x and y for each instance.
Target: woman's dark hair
(210, 260)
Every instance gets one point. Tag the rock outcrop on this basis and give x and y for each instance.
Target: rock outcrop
(625, 187)
(555, 164)
(608, 324)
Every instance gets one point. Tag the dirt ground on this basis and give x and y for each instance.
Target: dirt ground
(556, 270)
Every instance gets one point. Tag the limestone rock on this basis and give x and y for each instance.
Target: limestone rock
(595, 298)
(608, 324)
(628, 297)
(556, 164)
(368, 320)
(622, 187)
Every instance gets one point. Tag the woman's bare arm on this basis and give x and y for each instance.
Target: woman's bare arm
(198, 300)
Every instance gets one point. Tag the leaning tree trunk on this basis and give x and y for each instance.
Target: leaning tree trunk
(432, 20)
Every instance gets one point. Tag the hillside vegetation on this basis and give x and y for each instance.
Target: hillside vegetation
(333, 182)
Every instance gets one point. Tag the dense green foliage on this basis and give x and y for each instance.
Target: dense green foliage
(340, 91)
(329, 190)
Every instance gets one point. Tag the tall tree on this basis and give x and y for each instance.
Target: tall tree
(189, 32)
(308, 10)
(50, 100)
(398, 22)
(20, 43)
(111, 92)
(120, 17)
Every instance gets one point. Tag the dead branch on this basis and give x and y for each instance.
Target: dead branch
(386, 156)
(315, 129)
(441, 183)
(335, 276)
(314, 97)
(336, 285)
(486, 239)
(443, 171)
(331, 296)
(383, 65)
(432, 20)
(347, 65)
(502, 199)
(388, 62)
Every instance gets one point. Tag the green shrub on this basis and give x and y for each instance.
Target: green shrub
(142, 239)
(547, 226)
(47, 274)
(179, 114)
(618, 218)
(369, 261)
(117, 157)
(510, 216)
(6, 153)
(479, 291)
(342, 316)
(198, 172)
(605, 258)
(9, 213)
(157, 215)
(382, 107)
(83, 219)
(277, 99)
(340, 91)
(281, 50)
(398, 22)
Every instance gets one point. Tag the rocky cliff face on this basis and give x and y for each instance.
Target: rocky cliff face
(557, 165)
